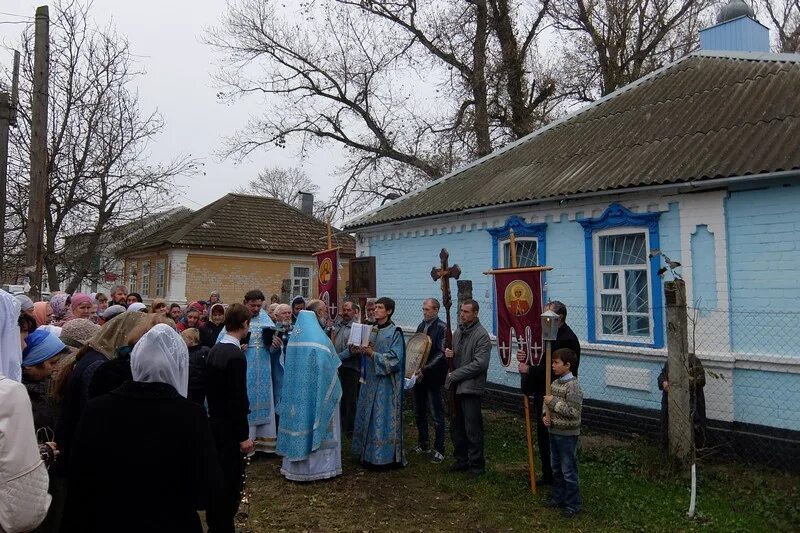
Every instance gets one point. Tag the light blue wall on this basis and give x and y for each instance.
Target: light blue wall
(404, 265)
(763, 263)
(767, 398)
(669, 232)
(567, 281)
(593, 385)
(704, 269)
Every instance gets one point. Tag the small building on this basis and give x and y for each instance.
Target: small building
(232, 245)
(700, 160)
(106, 267)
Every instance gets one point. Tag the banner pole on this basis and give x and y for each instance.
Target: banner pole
(525, 401)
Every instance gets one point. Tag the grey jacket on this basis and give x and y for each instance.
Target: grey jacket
(471, 350)
(341, 336)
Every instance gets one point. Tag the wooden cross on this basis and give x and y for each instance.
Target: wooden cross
(443, 273)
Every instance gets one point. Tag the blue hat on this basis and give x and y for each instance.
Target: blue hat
(41, 346)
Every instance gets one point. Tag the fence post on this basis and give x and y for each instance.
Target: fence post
(680, 428)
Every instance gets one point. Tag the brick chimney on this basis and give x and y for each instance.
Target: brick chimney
(306, 203)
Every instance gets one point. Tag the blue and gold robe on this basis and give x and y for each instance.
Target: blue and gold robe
(378, 432)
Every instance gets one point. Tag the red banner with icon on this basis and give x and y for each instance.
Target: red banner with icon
(328, 279)
(518, 293)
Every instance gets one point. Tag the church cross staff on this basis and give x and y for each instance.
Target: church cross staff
(443, 273)
(525, 401)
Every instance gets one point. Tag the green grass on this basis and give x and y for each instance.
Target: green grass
(626, 485)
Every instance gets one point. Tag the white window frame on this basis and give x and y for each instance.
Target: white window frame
(501, 246)
(161, 277)
(300, 278)
(599, 270)
(145, 292)
(132, 275)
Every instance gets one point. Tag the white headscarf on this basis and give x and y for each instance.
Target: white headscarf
(161, 356)
(10, 347)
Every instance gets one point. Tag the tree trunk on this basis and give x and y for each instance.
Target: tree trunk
(82, 265)
(515, 71)
(483, 142)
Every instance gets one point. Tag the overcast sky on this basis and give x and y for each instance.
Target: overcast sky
(165, 36)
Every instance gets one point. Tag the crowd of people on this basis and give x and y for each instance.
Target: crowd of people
(116, 415)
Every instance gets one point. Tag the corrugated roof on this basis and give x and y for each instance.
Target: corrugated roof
(708, 115)
(246, 223)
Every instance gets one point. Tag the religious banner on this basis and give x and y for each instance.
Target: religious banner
(518, 293)
(328, 279)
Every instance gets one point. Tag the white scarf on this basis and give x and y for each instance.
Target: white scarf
(10, 347)
(161, 356)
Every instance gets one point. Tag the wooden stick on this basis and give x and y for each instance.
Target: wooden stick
(523, 269)
(326, 251)
(330, 234)
(529, 435)
(525, 401)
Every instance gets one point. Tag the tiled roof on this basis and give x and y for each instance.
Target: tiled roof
(709, 115)
(240, 222)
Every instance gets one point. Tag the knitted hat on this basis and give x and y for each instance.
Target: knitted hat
(78, 331)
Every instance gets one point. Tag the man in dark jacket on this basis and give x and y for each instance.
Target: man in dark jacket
(697, 401)
(430, 380)
(228, 406)
(471, 349)
(533, 380)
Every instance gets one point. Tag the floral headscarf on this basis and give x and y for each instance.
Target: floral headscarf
(58, 302)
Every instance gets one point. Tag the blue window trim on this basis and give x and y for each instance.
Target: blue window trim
(617, 216)
(521, 229)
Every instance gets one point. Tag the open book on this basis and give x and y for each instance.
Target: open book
(360, 334)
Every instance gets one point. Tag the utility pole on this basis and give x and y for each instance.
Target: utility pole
(8, 118)
(681, 425)
(38, 185)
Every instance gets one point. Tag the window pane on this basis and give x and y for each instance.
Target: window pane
(638, 325)
(527, 253)
(302, 272)
(636, 291)
(627, 249)
(612, 324)
(610, 280)
(611, 302)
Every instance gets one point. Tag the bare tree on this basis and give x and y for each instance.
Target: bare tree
(785, 17)
(612, 43)
(410, 90)
(97, 164)
(284, 184)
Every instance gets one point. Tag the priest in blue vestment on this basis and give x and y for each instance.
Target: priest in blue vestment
(378, 431)
(261, 376)
(309, 436)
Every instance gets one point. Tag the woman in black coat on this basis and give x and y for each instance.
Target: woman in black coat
(143, 456)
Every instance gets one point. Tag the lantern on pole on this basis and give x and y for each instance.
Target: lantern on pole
(550, 324)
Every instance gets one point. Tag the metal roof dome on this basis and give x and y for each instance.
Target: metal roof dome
(734, 9)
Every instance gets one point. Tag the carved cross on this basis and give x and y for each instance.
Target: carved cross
(443, 273)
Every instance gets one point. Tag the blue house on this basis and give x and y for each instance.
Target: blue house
(700, 159)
